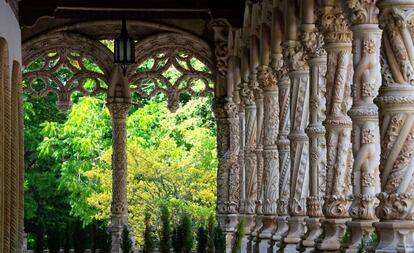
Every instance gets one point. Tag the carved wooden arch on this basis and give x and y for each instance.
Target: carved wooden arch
(67, 50)
(171, 50)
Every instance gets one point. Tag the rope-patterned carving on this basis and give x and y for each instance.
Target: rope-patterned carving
(64, 66)
(172, 65)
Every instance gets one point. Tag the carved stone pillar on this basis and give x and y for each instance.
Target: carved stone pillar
(250, 159)
(396, 103)
(299, 146)
(364, 114)
(283, 145)
(313, 41)
(258, 94)
(270, 154)
(119, 206)
(338, 37)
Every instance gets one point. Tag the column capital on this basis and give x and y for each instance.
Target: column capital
(313, 42)
(266, 78)
(295, 56)
(334, 25)
(363, 11)
(119, 110)
(246, 94)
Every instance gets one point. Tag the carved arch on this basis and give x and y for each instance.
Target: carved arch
(68, 52)
(166, 51)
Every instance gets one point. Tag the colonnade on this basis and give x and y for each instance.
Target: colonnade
(316, 126)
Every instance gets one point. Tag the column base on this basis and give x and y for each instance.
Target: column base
(334, 230)
(395, 236)
(314, 228)
(263, 243)
(228, 223)
(250, 225)
(358, 229)
(297, 228)
(116, 239)
(281, 230)
(254, 236)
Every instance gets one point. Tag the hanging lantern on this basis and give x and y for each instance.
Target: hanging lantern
(124, 48)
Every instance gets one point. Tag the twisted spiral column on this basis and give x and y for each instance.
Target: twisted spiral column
(364, 114)
(299, 145)
(396, 103)
(313, 42)
(270, 154)
(338, 36)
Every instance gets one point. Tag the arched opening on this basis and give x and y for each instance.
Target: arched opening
(171, 155)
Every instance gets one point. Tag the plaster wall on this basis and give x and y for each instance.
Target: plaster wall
(10, 30)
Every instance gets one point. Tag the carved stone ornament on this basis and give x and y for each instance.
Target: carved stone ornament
(221, 50)
(266, 78)
(314, 43)
(334, 24)
(295, 56)
(363, 11)
(246, 94)
(395, 206)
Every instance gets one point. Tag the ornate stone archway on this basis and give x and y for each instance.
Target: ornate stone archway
(68, 52)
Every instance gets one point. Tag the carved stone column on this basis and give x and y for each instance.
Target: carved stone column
(299, 145)
(283, 145)
(258, 94)
(396, 103)
(222, 146)
(270, 153)
(364, 114)
(119, 206)
(250, 157)
(313, 41)
(338, 37)
(228, 186)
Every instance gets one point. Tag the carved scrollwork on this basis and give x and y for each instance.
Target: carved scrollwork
(221, 29)
(395, 206)
(363, 206)
(336, 206)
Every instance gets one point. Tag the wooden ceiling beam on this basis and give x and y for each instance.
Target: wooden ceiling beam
(31, 10)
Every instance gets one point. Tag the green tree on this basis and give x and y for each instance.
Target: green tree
(187, 230)
(148, 235)
(201, 240)
(165, 234)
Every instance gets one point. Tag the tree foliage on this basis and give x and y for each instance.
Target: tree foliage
(171, 162)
